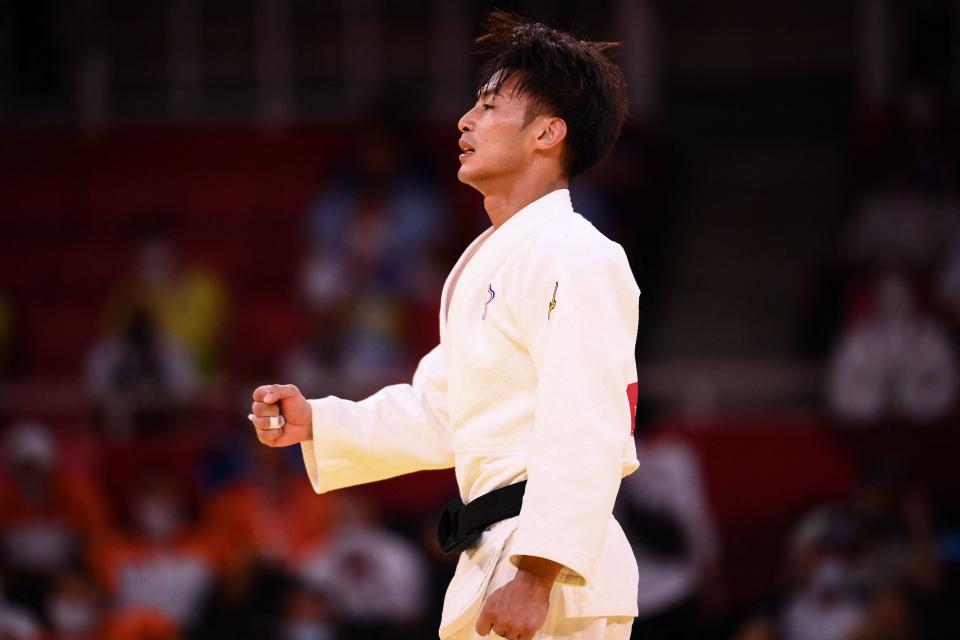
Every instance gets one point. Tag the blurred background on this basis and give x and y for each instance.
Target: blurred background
(200, 196)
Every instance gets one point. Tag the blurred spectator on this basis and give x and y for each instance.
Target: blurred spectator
(244, 602)
(186, 304)
(896, 527)
(674, 540)
(306, 616)
(888, 618)
(138, 375)
(898, 228)
(756, 628)
(316, 364)
(367, 227)
(48, 519)
(272, 519)
(270, 513)
(74, 607)
(164, 564)
(375, 353)
(376, 581)
(825, 605)
(354, 347)
(946, 279)
(16, 623)
(893, 361)
(370, 231)
(866, 568)
(823, 599)
(140, 624)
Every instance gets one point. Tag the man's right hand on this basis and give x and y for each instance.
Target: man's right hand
(274, 400)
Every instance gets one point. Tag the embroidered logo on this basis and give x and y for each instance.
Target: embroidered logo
(492, 294)
(553, 301)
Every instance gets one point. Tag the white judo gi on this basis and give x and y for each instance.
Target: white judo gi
(534, 379)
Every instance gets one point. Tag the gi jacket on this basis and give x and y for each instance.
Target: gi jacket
(534, 379)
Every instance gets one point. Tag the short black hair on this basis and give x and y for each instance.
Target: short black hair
(570, 78)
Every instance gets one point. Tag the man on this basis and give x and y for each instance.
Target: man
(532, 390)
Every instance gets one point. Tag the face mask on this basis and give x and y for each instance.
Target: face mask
(157, 519)
(830, 578)
(72, 616)
(306, 630)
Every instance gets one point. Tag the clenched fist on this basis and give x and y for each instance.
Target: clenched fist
(519, 608)
(276, 399)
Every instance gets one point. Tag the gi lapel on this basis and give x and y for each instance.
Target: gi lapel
(489, 252)
(452, 280)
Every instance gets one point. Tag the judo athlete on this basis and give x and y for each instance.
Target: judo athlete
(531, 393)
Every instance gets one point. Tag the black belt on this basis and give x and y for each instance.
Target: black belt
(461, 524)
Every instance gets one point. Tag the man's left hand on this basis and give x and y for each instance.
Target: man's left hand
(518, 609)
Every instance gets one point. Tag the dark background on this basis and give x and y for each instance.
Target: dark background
(200, 196)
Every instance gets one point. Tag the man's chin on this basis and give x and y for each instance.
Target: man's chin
(464, 175)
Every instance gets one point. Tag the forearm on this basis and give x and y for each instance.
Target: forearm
(537, 571)
(388, 434)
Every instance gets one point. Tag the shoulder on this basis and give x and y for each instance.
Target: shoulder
(570, 231)
(572, 244)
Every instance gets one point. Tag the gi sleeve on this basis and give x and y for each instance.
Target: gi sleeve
(400, 429)
(579, 321)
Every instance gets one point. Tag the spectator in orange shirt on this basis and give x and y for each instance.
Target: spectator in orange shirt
(75, 608)
(271, 514)
(165, 563)
(48, 519)
(270, 519)
(140, 624)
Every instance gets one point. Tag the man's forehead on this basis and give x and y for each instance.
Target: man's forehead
(498, 85)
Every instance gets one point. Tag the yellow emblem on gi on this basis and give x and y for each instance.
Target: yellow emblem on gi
(553, 302)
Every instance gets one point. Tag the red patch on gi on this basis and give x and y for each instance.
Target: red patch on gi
(633, 393)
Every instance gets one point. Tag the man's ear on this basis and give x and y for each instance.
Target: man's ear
(553, 131)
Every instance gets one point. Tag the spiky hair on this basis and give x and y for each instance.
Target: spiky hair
(560, 75)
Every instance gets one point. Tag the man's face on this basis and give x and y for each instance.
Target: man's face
(497, 141)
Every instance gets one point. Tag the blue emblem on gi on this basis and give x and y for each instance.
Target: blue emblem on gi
(491, 295)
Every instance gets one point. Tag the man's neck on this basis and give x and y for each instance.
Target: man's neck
(502, 204)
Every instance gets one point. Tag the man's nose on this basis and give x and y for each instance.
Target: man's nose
(465, 122)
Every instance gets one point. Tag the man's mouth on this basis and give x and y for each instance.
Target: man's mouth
(466, 149)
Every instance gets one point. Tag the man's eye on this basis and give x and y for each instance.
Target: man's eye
(487, 107)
